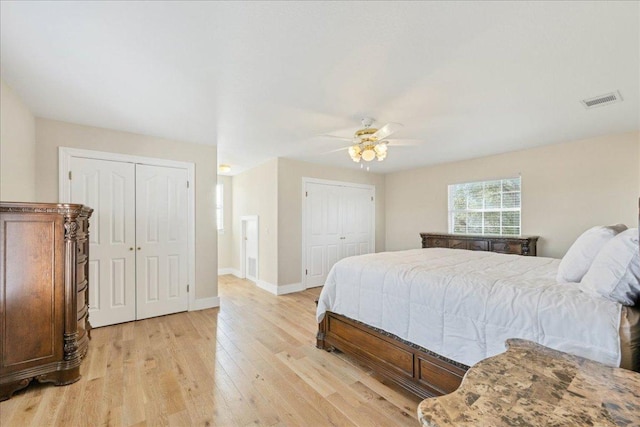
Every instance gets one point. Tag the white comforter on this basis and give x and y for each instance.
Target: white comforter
(463, 304)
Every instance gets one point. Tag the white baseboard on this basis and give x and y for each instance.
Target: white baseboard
(269, 287)
(279, 290)
(204, 303)
(314, 286)
(289, 289)
(229, 270)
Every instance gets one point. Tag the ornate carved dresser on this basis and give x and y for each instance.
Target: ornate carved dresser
(518, 245)
(44, 326)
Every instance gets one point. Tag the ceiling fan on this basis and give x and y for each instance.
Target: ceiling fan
(369, 143)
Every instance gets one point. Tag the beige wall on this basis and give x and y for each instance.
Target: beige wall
(51, 134)
(17, 148)
(225, 238)
(290, 174)
(255, 192)
(566, 188)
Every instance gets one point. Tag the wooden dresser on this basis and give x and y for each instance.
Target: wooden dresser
(518, 245)
(44, 325)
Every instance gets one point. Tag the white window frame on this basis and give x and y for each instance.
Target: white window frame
(452, 212)
(220, 207)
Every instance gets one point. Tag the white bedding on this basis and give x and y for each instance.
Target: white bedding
(463, 305)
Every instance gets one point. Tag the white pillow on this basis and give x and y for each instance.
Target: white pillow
(615, 272)
(578, 259)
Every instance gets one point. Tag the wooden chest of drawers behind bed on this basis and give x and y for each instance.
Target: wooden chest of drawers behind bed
(517, 245)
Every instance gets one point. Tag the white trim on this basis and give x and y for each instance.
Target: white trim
(228, 270)
(269, 287)
(280, 290)
(305, 181)
(204, 303)
(64, 194)
(314, 286)
(291, 288)
(243, 247)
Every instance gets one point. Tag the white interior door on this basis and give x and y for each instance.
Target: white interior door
(250, 237)
(357, 221)
(339, 222)
(108, 187)
(323, 231)
(161, 240)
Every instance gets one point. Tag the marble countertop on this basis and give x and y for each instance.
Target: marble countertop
(532, 385)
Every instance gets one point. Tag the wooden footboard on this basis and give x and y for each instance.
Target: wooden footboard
(412, 367)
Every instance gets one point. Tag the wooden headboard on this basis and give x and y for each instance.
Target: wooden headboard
(518, 245)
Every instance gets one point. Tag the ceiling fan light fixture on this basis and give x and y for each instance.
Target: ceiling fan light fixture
(368, 142)
(368, 154)
(355, 153)
(381, 148)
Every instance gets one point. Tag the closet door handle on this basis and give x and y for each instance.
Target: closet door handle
(130, 249)
(138, 247)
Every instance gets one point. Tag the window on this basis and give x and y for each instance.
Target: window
(220, 207)
(485, 207)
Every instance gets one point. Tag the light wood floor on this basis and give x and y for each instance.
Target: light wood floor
(252, 361)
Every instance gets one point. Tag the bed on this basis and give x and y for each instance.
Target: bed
(421, 317)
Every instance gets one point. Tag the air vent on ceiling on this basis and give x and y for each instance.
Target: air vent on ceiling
(602, 100)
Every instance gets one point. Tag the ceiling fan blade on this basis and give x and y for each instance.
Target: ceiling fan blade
(336, 137)
(405, 142)
(387, 130)
(337, 150)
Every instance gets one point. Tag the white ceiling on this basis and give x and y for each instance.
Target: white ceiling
(267, 79)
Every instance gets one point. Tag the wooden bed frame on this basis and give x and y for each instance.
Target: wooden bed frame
(416, 369)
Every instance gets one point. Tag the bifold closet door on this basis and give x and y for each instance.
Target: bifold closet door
(109, 188)
(161, 240)
(339, 223)
(357, 221)
(323, 231)
(138, 240)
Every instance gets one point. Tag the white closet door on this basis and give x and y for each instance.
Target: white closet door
(161, 236)
(108, 188)
(339, 223)
(323, 227)
(357, 221)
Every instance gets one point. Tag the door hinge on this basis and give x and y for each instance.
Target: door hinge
(187, 184)
(69, 175)
(372, 198)
(306, 272)
(306, 194)
(187, 288)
